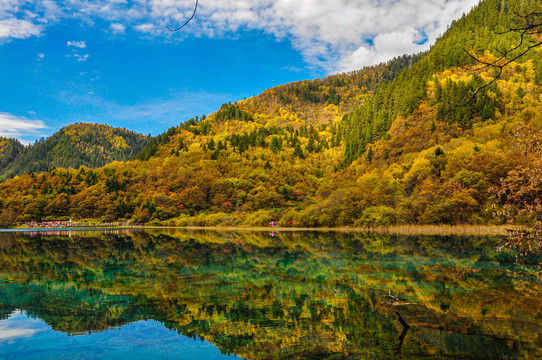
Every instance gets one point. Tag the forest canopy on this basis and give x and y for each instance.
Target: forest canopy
(394, 143)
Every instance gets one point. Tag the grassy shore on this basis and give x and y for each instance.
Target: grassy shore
(393, 229)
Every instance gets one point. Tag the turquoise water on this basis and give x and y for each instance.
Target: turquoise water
(166, 294)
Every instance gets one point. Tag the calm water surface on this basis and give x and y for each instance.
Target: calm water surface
(166, 294)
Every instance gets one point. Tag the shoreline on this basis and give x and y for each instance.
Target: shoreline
(396, 230)
(443, 230)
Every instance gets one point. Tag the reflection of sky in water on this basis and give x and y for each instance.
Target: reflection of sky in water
(22, 337)
(17, 326)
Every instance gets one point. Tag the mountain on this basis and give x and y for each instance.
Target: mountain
(76, 145)
(10, 149)
(418, 140)
(318, 103)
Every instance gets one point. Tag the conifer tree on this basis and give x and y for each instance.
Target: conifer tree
(275, 144)
(298, 152)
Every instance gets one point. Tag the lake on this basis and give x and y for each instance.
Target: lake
(172, 294)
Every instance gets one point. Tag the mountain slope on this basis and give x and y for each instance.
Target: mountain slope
(10, 149)
(474, 33)
(91, 145)
(319, 103)
(395, 143)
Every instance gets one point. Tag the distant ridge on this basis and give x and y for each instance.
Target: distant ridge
(90, 145)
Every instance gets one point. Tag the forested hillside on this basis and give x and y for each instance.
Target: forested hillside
(475, 34)
(91, 145)
(10, 149)
(417, 140)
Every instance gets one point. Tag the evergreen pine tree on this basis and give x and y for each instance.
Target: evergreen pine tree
(298, 152)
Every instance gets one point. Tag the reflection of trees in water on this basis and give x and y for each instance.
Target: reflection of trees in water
(307, 296)
(525, 245)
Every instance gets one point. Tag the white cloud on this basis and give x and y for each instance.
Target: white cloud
(81, 57)
(118, 28)
(332, 34)
(77, 44)
(147, 28)
(19, 127)
(18, 29)
(41, 56)
(329, 34)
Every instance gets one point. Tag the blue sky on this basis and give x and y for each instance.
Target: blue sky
(114, 61)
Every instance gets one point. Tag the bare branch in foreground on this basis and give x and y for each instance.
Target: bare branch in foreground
(187, 21)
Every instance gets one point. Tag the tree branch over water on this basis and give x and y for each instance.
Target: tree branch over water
(528, 26)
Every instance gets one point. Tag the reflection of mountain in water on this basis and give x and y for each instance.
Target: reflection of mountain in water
(298, 296)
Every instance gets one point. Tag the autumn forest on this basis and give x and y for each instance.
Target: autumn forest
(432, 138)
